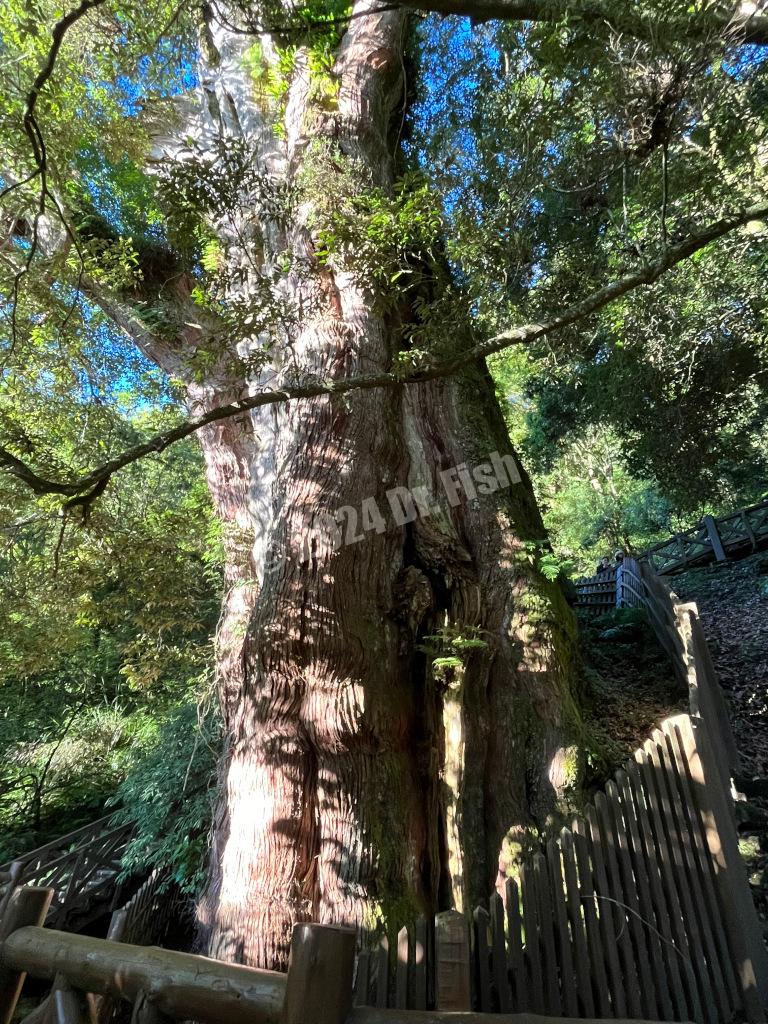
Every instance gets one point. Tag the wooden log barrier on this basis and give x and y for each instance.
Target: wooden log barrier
(180, 985)
(27, 905)
(162, 982)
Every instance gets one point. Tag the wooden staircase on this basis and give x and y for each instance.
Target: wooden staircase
(81, 867)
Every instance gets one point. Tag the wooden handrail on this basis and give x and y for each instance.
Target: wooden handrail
(95, 828)
(182, 985)
(71, 855)
(706, 535)
(185, 986)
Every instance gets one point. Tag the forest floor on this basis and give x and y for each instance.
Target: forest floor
(631, 688)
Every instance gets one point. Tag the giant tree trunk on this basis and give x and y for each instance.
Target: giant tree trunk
(359, 784)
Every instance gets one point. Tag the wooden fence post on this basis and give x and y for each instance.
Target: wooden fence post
(452, 978)
(64, 1005)
(319, 984)
(101, 1007)
(145, 1011)
(15, 872)
(28, 905)
(740, 919)
(714, 538)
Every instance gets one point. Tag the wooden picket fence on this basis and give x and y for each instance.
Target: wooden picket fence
(640, 909)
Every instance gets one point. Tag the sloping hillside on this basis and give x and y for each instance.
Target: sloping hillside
(733, 604)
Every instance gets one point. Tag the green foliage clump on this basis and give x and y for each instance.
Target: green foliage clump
(166, 795)
(565, 158)
(106, 617)
(451, 645)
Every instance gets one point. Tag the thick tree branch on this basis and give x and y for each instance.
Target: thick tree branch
(741, 23)
(93, 483)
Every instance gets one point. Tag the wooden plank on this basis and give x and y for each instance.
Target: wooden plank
(452, 962)
(401, 971)
(532, 949)
(564, 946)
(636, 930)
(380, 962)
(651, 858)
(704, 863)
(520, 995)
(739, 917)
(420, 959)
(716, 709)
(669, 885)
(692, 922)
(646, 904)
(546, 915)
(707, 914)
(597, 954)
(499, 970)
(361, 978)
(609, 919)
(578, 927)
(482, 923)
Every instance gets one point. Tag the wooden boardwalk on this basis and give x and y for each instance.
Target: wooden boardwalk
(81, 868)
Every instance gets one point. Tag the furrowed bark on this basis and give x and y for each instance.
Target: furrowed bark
(334, 803)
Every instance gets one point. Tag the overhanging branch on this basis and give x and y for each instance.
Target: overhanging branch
(741, 23)
(93, 483)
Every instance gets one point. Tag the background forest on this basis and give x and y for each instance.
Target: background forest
(534, 157)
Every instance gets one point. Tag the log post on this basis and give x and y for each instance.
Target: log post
(318, 989)
(452, 970)
(714, 538)
(64, 1005)
(740, 920)
(28, 905)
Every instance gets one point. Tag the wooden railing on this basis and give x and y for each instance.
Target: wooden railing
(80, 868)
(679, 631)
(640, 909)
(165, 985)
(712, 540)
(597, 594)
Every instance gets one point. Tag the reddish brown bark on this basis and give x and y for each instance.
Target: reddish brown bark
(345, 795)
